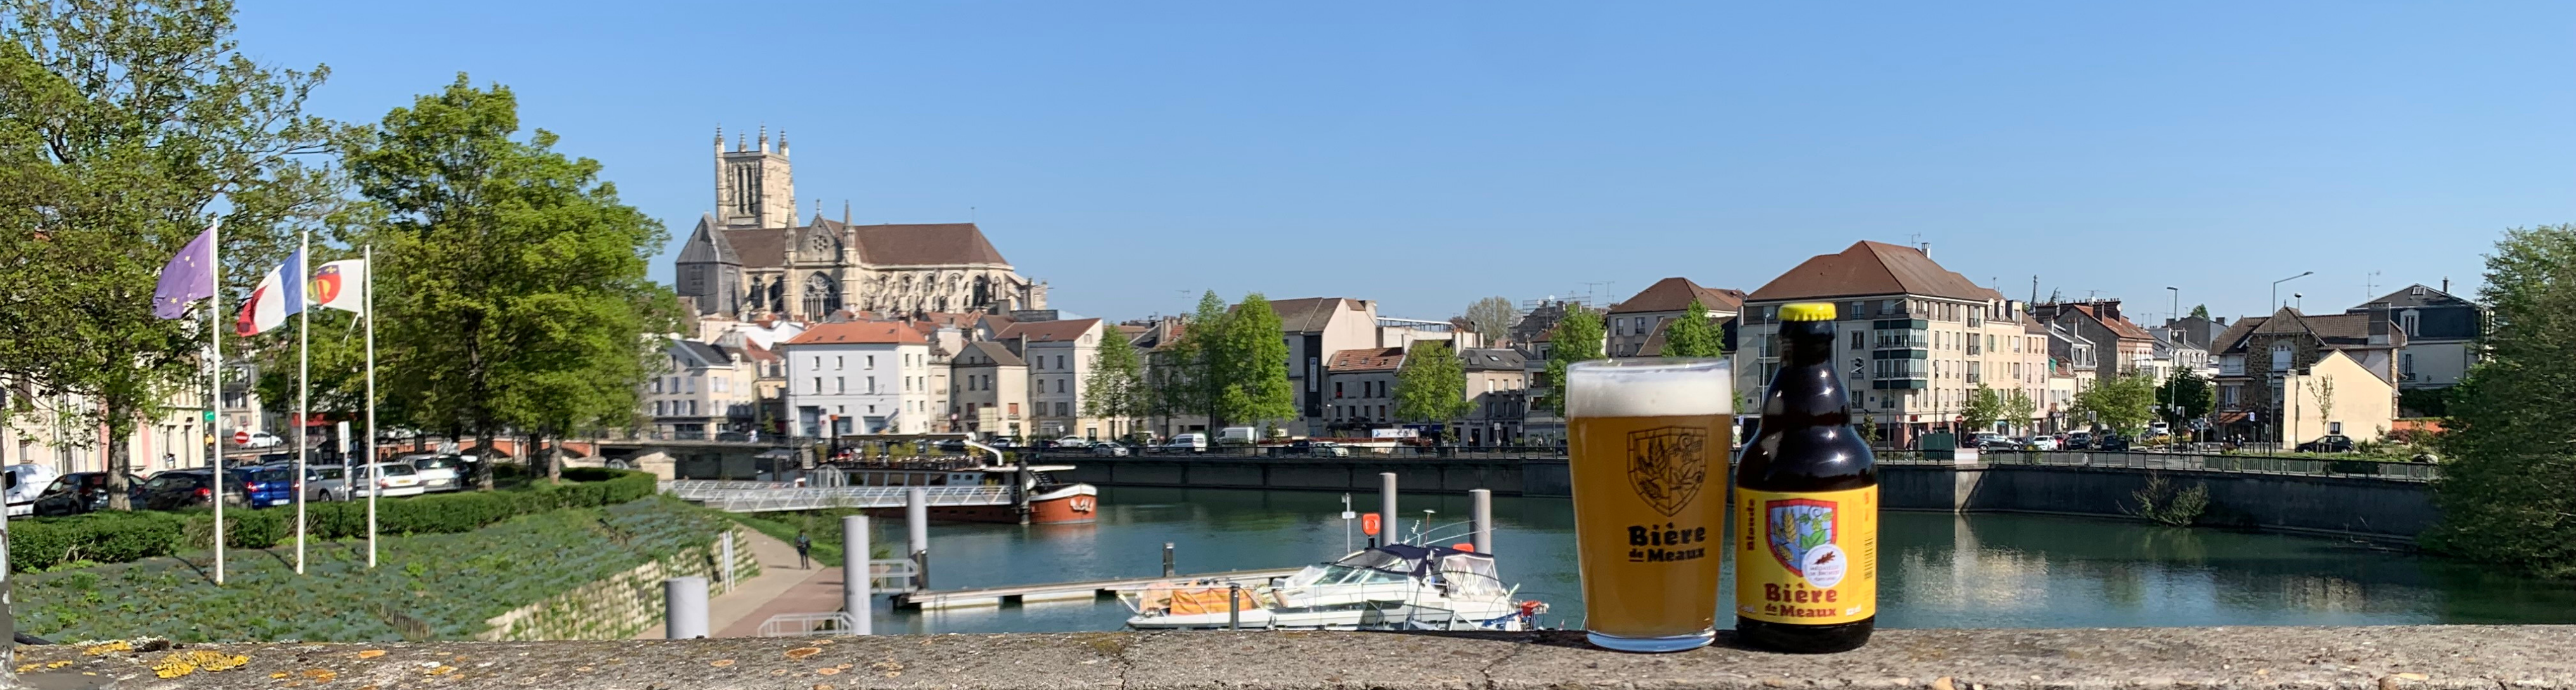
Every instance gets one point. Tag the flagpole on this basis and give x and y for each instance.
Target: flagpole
(214, 341)
(370, 285)
(303, 385)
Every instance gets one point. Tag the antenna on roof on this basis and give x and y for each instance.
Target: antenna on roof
(2370, 285)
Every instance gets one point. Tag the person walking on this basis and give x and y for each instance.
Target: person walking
(804, 551)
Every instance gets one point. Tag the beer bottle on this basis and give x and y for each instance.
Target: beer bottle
(1806, 505)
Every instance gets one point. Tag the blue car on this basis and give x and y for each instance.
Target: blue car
(271, 486)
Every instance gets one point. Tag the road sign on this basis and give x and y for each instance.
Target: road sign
(241, 438)
(1368, 524)
(210, 416)
(1346, 515)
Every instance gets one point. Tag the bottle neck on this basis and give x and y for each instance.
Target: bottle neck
(1806, 391)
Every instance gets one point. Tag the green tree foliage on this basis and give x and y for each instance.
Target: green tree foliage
(1116, 388)
(2511, 442)
(1251, 365)
(1183, 381)
(1577, 338)
(1983, 408)
(1694, 335)
(2186, 396)
(1431, 386)
(1492, 318)
(2200, 311)
(2124, 403)
(124, 128)
(2019, 408)
(514, 288)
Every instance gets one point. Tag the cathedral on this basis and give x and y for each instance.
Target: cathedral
(750, 259)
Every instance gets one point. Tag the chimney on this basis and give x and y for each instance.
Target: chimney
(2446, 285)
(2379, 326)
(1926, 248)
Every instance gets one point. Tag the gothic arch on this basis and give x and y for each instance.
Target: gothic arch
(822, 296)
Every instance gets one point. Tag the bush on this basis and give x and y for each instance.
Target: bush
(119, 537)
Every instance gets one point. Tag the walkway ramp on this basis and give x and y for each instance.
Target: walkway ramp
(758, 497)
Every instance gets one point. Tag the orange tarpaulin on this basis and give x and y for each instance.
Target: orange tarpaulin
(1195, 601)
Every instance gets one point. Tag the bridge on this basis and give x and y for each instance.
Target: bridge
(761, 497)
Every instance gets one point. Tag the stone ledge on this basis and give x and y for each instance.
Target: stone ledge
(2367, 658)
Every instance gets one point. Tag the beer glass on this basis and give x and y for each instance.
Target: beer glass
(1647, 443)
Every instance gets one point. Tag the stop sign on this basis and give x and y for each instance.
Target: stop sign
(241, 438)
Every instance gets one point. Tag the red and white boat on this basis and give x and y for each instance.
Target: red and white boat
(1034, 489)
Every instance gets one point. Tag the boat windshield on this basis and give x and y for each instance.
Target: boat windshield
(1377, 559)
(1471, 574)
(1338, 574)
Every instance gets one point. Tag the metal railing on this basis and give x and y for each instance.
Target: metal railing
(807, 624)
(2246, 464)
(757, 497)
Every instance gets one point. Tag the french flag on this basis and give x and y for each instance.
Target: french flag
(280, 294)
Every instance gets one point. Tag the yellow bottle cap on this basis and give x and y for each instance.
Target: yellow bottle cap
(1807, 311)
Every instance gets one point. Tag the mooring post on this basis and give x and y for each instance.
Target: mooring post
(1167, 560)
(1480, 514)
(854, 572)
(1387, 530)
(916, 519)
(1234, 606)
(684, 608)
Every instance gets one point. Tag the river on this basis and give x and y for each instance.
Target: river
(1938, 570)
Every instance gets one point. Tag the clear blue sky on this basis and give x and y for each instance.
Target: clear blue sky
(1427, 154)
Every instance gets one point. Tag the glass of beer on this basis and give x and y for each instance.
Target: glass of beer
(1648, 445)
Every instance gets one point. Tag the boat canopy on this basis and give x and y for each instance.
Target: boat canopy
(1408, 559)
(1006, 469)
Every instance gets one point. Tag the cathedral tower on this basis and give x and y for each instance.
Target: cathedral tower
(755, 188)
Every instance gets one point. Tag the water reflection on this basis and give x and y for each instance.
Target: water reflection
(1942, 570)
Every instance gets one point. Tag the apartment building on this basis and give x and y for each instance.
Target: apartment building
(1059, 355)
(859, 377)
(2123, 346)
(1361, 387)
(2441, 333)
(1498, 383)
(703, 390)
(1634, 324)
(1919, 338)
(989, 390)
(2260, 360)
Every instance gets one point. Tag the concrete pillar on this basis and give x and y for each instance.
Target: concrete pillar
(684, 608)
(1480, 516)
(1167, 559)
(1388, 531)
(854, 572)
(916, 520)
(724, 568)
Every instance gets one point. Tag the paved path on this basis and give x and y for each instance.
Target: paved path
(739, 613)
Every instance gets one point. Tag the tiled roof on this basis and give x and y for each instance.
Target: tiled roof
(1372, 359)
(1307, 314)
(754, 352)
(858, 332)
(2233, 339)
(2407, 298)
(707, 353)
(1492, 359)
(1676, 293)
(919, 244)
(1871, 268)
(1050, 331)
(707, 245)
(994, 351)
(2120, 327)
(761, 247)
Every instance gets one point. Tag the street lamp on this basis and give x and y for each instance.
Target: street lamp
(2276, 288)
(2173, 354)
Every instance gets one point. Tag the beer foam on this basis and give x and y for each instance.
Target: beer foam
(1649, 390)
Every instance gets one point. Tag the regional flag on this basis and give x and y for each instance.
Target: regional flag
(189, 277)
(339, 285)
(274, 299)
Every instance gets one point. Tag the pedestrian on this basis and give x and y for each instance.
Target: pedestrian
(804, 551)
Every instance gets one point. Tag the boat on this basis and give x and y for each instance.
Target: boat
(1390, 587)
(1035, 489)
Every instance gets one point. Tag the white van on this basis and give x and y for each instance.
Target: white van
(25, 482)
(1238, 434)
(1193, 441)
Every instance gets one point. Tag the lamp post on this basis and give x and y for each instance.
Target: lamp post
(2276, 288)
(2173, 351)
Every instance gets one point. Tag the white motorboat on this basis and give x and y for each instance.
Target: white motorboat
(1397, 586)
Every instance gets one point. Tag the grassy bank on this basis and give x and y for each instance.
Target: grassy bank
(823, 526)
(432, 586)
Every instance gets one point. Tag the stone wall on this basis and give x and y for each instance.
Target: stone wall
(622, 605)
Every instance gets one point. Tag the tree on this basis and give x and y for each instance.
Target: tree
(2200, 311)
(1983, 408)
(2503, 488)
(2186, 396)
(1183, 383)
(2019, 408)
(1431, 386)
(2122, 403)
(128, 127)
(1694, 335)
(1249, 363)
(1116, 388)
(513, 282)
(2322, 389)
(1577, 338)
(1492, 318)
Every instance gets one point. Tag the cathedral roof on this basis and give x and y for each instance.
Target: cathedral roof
(708, 245)
(920, 244)
(764, 247)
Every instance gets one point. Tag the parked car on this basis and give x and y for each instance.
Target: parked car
(1988, 440)
(2111, 442)
(2042, 442)
(733, 436)
(1109, 449)
(2329, 443)
(1314, 447)
(953, 446)
(262, 439)
(438, 472)
(178, 489)
(386, 479)
(25, 483)
(83, 492)
(267, 485)
(326, 483)
(1073, 442)
(2079, 440)
(1192, 441)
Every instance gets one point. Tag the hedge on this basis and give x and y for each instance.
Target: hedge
(118, 537)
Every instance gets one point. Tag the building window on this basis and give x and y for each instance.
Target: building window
(2408, 322)
(2280, 356)
(2406, 364)
(657, 408)
(1855, 340)
(1337, 389)
(818, 385)
(841, 385)
(839, 363)
(872, 361)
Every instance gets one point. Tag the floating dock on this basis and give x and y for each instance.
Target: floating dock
(1067, 591)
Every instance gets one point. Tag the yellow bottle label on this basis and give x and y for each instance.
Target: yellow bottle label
(1807, 558)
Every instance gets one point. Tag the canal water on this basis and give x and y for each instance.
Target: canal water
(1938, 570)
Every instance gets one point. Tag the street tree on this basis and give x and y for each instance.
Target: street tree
(1116, 388)
(2124, 403)
(1578, 338)
(1492, 318)
(2020, 409)
(2200, 311)
(1251, 366)
(1184, 382)
(124, 129)
(2322, 390)
(1694, 335)
(513, 284)
(1983, 408)
(1431, 385)
(2186, 395)
(2503, 490)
